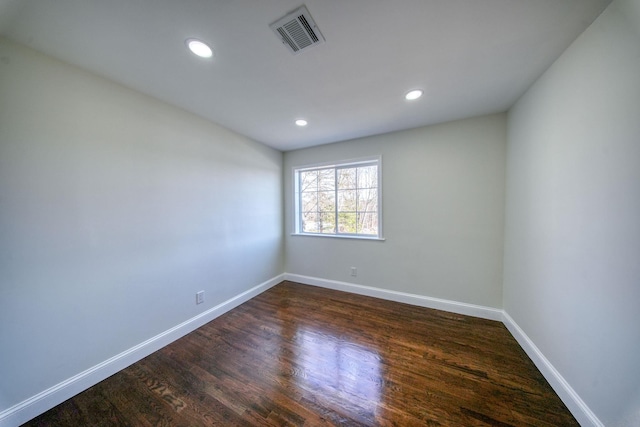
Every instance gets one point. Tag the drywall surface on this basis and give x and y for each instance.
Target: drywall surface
(443, 209)
(572, 236)
(115, 209)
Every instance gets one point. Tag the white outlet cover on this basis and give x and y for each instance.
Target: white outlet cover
(199, 297)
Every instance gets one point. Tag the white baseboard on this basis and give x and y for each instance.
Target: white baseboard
(567, 394)
(569, 397)
(47, 399)
(419, 300)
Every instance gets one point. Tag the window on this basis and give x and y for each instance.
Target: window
(339, 199)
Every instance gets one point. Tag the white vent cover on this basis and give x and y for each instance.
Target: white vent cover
(298, 31)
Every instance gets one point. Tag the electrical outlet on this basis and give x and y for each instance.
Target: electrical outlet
(354, 271)
(199, 297)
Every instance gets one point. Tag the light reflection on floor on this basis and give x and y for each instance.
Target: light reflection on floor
(340, 374)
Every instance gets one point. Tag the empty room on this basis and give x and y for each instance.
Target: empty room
(357, 213)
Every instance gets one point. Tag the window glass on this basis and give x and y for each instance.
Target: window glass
(342, 199)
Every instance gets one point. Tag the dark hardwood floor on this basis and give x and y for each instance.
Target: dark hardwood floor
(300, 355)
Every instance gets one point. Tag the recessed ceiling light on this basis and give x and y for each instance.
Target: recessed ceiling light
(199, 48)
(301, 122)
(414, 94)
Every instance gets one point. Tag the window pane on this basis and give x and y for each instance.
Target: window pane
(328, 222)
(367, 199)
(309, 181)
(310, 222)
(339, 200)
(347, 222)
(327, 201)
(347, 200)
(368, 223)
(309, 202)
(368, 177)
(346, 178)
(327, 180)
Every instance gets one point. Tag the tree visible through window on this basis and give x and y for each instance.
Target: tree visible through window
(340, 199)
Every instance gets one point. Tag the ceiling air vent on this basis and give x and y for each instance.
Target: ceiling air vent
(298, 31)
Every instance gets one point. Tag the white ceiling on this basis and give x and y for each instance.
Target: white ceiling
(471, 57)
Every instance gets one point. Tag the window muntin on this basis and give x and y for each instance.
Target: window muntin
(339, 200)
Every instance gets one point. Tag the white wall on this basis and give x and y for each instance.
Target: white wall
(114, 210)
(443, 208)
(572, 237)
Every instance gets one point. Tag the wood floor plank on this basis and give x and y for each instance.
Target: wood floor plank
(300, 355)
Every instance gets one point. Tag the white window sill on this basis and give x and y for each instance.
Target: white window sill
(340, 236)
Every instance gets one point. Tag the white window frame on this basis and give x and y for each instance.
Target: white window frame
(343, 164)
